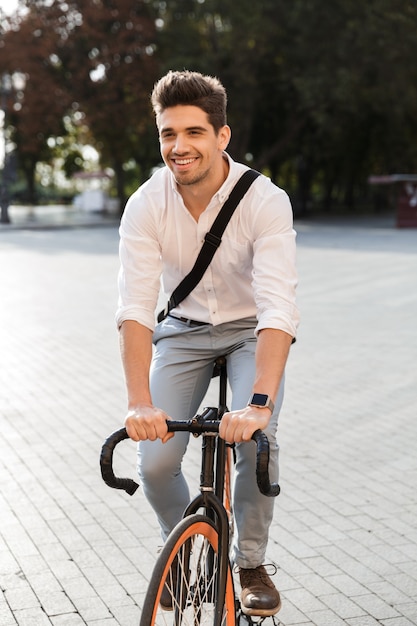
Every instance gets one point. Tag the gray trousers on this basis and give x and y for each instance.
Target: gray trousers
(180, 375)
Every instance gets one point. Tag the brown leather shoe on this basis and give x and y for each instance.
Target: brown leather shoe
(259, 595)
(169, 589)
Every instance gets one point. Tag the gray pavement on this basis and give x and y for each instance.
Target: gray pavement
(55, 216)
(344, 537)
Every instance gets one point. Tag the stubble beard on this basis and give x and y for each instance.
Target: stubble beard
(194, 180)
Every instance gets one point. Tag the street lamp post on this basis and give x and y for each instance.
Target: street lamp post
(6, 90)
(7, 178)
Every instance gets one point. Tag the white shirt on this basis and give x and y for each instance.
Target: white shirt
(252, 273)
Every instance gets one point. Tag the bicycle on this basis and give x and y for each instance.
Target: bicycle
(194, 562)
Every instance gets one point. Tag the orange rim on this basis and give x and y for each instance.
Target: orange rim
(206, 530)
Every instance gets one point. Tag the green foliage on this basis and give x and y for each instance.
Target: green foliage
(321, 94)
(73, 163)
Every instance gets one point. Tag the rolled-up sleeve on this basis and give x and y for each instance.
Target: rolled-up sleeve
(274, 277)
(140, 266)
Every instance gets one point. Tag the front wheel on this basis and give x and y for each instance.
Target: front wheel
(190, 556)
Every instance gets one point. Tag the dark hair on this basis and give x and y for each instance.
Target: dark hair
(191, 88)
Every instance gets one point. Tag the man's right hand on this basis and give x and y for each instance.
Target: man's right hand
(147, 422)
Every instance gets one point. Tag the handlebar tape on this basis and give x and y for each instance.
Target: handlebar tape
(106, 464)
(130, 486)
(262, 465)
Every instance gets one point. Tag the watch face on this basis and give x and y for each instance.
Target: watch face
(259, 399)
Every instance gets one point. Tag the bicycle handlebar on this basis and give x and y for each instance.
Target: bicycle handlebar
(196, 427)
(106, 463)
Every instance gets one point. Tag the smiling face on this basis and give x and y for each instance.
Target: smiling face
(190, 146)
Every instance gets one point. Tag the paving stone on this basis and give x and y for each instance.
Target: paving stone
(409, 611)
(344, 537)
(305, 601)
(21, 597)
(69, 619)
(326, 618)
(375, 606)
(291, 614)
(397, 621)
(6, 614)
(365, 620)
(342, 606)
(32, 617)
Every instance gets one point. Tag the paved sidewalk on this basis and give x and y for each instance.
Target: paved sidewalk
(344, 538)
(55, 216)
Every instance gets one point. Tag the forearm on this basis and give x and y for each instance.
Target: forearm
(271, 356)
(143, 420)
(136, 353)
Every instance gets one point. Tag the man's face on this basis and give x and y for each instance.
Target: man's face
(189, 145)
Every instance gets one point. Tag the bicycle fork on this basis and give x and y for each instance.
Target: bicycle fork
(211, 502)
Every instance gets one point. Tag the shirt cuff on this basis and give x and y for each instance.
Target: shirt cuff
(278, 321)
(141, 316)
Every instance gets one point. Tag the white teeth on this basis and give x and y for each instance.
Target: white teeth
(183, 161)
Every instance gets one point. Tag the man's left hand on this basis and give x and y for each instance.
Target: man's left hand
(238, 426)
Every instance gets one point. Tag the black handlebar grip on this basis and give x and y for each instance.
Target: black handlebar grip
(262, 464)
(106, 463)
(130, 486)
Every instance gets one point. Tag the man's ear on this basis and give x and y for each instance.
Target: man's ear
(224, 136)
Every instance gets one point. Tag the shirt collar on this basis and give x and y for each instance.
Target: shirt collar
(222, 194)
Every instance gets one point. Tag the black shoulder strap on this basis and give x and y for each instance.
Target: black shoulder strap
(212, 240)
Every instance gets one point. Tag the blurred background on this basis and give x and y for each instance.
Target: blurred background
(323, 99)
(322, 95)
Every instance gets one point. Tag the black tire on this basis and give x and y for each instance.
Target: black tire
(193, 546)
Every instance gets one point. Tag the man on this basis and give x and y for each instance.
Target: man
(244, 307)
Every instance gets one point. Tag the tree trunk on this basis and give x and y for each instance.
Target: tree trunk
(120, 185)
(29, 169)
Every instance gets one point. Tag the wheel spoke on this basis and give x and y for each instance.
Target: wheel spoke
(193, 548)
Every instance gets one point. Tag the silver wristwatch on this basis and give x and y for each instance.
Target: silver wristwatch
(262, 401)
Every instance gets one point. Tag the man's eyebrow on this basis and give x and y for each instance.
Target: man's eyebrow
(202, 128)
(168, 129)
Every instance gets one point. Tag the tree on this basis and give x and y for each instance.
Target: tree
(321, 94)
(28, 48)
(90, 58)
(108, 60)
(221, 38)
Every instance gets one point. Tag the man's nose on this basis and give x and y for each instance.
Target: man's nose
(180, 145)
